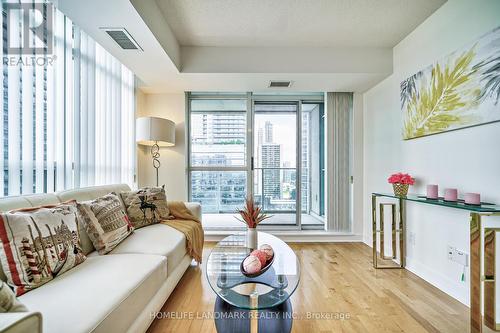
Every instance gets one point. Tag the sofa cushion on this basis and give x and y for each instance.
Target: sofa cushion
(37, 244)
(42, 199)
(21, 322)
(10, 203)
(158, 239)
(8, 300)
(91, 192)
(105, 221)
(146, 206)
(101, 295)
(195, 209)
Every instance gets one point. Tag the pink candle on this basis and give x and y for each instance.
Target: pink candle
(432, 191)
(473, 198)
(450, 194)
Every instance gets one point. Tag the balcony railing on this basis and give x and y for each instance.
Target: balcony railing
(275, 188)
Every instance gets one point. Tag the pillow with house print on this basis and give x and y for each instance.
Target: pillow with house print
(105, 221)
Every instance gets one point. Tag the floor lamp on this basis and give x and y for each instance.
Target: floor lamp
(155, 132)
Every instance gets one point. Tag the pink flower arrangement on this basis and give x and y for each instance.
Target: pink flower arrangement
(401, 178)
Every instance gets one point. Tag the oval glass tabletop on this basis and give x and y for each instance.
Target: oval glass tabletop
(270, 289)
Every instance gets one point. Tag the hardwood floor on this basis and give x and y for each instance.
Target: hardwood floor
(335, 278)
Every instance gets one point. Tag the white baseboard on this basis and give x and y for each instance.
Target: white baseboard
(459, 291)
(367, 239)
(304, 236)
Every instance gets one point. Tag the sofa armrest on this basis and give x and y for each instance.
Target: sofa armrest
(195, 208)
(21, 322)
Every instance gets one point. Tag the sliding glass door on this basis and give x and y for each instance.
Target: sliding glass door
(275, 172)
(270, 147)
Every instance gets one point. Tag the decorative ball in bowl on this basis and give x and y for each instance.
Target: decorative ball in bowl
(258, 261)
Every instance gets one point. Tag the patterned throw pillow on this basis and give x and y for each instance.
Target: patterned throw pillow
(8, 301)
(146, 206)
(38, 244)
(105, 222)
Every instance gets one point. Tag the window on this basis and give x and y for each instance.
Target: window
(268, 146)
(218, 129)
(218, 153)
(219, 191)
(68, 122)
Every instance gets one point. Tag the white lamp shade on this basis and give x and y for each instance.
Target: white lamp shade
(149, 130)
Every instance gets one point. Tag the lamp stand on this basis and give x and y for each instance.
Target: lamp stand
(155, 154)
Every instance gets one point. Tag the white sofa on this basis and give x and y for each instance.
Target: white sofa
(116, 292)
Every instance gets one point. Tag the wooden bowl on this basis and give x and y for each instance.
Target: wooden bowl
(268, 264)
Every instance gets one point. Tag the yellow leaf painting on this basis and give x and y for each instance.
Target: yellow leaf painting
(451, 93)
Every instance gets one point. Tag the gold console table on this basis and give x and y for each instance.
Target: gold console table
(482, 277)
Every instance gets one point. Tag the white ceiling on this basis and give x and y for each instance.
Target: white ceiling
(321, 45)
(291, 23)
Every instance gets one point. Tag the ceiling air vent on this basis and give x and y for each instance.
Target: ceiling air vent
(122, 37)
(280, 84)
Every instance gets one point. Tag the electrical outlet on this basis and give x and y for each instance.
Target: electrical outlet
(461, 257)
(458, 256)
(451, 250)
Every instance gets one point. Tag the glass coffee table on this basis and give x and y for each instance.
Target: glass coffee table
(269, 290)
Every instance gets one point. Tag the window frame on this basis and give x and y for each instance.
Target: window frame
(190, 168)
(252, 99)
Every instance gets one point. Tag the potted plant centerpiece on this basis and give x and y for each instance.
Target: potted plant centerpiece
(251, 215)
(400, 183)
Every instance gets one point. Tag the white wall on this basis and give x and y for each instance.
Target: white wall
(361, 60)
(467, 159)
(173, 160)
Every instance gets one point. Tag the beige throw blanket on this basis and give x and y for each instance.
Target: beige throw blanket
(183, 220)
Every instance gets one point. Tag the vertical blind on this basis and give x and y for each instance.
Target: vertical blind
(339, 113)
(65, 124)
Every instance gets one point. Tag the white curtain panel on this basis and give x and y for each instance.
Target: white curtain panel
(66, 124)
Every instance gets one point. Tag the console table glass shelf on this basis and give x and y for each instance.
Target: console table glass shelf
(482, 249)
(485, 207)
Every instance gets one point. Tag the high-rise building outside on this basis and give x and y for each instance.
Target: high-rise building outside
(219, 129)
(271, 158)
(218, 140)
(268, 132)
